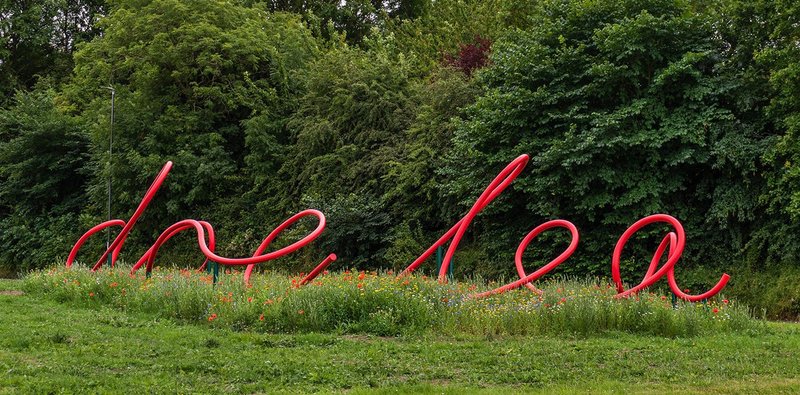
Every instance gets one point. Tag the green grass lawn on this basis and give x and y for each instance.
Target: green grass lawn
(48, 347)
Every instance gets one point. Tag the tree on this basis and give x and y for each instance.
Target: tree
(37, 38)
(206, 84)
(620, 107)
(763, 55)
(352, 18)
(41, 179)
(449, 25)
(348, 130)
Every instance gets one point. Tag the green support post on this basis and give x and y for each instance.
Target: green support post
(439, 261)
(213, 269)
(216, 272)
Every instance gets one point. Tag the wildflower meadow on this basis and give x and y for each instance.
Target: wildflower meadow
(384, 304)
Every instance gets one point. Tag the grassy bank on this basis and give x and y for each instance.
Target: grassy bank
(774, 291)
(47, 346)
(383, 304)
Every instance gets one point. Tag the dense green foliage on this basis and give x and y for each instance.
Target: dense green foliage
(41, 195)
(625, 115)
(37, 38)
(392, 116)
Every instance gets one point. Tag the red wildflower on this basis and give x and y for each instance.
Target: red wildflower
(91, 294)
(114, 284)
(563, 300)
(212, 317)
(716, 310)
(725, 301)
(360, 285)
(361, 276)
(250, 300)
(261, 317)
(663, 297)
(301, 312)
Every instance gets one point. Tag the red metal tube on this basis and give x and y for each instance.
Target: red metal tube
(526, 279)
(676, 241)
(78, 244)
(317, 270)
(495, 188)
(148, 196)
(201, 227)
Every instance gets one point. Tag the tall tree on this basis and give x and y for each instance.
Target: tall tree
(42, 154)
(620, 107)
(348, 130)
(353, 18)
(37, 38)
(763, 57)
(204, 84)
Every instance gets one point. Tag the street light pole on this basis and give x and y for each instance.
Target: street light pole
(110, 152)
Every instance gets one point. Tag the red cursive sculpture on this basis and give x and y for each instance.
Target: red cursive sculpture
(201, 227)
(495, 188)
(676, 242)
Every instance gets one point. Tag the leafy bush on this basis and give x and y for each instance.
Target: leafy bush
(773, 292)
(42, 150)
(618, 106)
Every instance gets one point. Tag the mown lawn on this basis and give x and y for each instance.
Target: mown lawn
(48, 347)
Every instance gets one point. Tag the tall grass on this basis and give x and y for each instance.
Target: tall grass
(383, 304)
